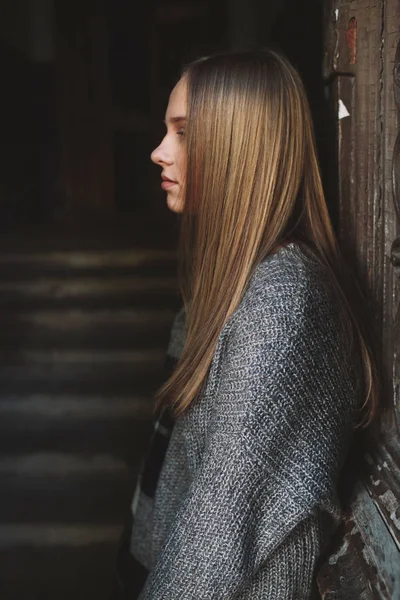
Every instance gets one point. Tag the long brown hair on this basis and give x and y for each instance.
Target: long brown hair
(252, 183)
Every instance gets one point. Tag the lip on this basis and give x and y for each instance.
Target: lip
(167, 183)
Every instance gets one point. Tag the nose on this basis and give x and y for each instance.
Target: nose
(161, 156)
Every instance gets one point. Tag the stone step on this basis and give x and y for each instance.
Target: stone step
(12, 264)
(53, 535)
(74, 378)
(63, 588)
(46, 293)
(79, 371)
(63, 410)
(63, 288)
(112, 329)
(135, 360)
(163, 300)
(58, 466)
(64, 423)
(67, 488)
(82, 353)
(66, 407)
(57, 562)
(11, 273)
(77, 320)
(124, 438)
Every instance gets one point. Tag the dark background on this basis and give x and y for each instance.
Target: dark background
(84, 90)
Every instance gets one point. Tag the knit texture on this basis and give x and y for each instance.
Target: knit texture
(246, 499)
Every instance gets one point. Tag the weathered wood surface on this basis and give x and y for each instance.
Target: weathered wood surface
(362, 71)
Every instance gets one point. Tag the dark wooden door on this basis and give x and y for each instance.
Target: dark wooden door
(362, 71)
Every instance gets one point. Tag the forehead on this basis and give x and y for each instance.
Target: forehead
(177, 101)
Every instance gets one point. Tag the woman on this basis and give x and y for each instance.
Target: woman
(273, 372)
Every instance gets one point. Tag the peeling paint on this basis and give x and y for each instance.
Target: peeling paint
(391, 504)
(395, 520)
(366, 554)
(341, 552)
(351, 38)
(354, 531)
(342, 110)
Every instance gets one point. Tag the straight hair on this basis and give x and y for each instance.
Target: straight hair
(252, 185)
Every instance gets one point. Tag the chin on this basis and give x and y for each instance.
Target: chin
(174, 203)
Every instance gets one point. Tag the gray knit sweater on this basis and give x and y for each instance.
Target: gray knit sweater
(246, 498)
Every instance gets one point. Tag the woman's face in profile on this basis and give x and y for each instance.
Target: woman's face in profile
(170, 155)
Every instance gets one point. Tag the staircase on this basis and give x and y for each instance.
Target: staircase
(83, 340)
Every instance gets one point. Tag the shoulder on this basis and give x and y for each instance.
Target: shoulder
(286, 359)
(290, 289)
(293, 274)
(290, 320)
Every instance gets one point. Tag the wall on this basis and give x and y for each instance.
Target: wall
(27, 26)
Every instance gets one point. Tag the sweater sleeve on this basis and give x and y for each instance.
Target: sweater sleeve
(262, 501)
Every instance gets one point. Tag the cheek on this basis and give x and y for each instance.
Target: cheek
(181, 162)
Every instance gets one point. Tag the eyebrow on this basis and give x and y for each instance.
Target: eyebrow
(175, 120)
